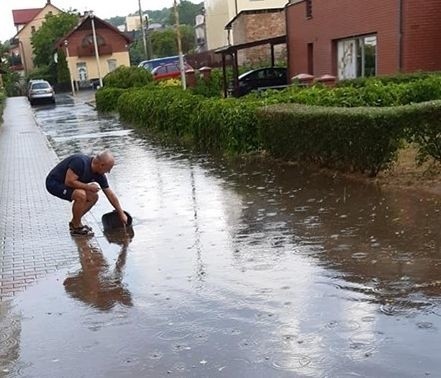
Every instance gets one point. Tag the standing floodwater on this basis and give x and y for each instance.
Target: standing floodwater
(235, 270)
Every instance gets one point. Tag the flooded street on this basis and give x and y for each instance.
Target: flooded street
(234, 269)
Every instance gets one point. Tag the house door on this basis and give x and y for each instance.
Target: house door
(82, 71)
(347, 59)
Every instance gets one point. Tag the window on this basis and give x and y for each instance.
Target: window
(308, 8)
(357, 57)
(310, 55)
(112, 64)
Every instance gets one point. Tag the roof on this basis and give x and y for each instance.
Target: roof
(24, 16)
(98, 21)
(234, 48)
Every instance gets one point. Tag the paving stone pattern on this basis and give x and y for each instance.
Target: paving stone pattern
(34, 237)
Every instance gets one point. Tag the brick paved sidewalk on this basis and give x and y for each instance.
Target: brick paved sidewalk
(34, 237)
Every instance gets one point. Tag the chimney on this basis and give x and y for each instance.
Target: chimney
(48, 2)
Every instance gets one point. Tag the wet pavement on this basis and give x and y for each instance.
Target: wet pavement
(235, 269)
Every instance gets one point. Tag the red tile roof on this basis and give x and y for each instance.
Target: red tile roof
(23, 16)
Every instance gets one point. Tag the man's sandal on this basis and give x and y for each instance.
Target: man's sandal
(71, 227)
(81, 231)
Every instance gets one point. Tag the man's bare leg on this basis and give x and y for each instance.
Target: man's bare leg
(82, 202)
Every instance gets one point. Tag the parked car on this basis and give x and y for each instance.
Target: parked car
(261, 78)
(40, 90)
(153, 63)
(169, 71)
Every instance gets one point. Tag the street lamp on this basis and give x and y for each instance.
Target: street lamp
(181, 56)
(66, 43)
(95, 43)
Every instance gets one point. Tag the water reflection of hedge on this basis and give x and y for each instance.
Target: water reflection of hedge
(365, 139)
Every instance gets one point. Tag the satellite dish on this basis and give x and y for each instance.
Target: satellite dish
(56, 57)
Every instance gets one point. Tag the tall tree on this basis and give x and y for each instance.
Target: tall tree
(53, 28)
(164, 42)
(187, 13)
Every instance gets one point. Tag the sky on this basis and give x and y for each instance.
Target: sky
(101, 8)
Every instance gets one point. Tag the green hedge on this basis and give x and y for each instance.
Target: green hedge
(388, 79)
(127, 77)
(360, 139)
(228, 125)
(373, 93)
(424, 129)
(2, 103)
(107, 98)
(163, 109)
(215, 124)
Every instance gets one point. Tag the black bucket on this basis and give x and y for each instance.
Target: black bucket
(111, 221)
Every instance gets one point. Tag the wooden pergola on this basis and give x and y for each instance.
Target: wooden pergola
(232, 51)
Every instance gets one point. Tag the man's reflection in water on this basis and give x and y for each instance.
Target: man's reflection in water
(97, 283)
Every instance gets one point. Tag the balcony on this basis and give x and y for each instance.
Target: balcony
(90, 50)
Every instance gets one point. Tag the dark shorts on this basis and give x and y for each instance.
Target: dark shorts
(58, 189)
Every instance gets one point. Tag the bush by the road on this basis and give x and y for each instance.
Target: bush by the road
(127, 77)
(107, 98)
(373, 92)
(214, 124)
(360, 139)
(364, 139)
(2, 102)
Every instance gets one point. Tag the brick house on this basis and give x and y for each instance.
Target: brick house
(79, 47)
(352, 38)
(253, 25)
(218, 13)
(27, 21)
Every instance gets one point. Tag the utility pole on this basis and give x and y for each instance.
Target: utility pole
(181, 56)
(143, 30)
(95, 43)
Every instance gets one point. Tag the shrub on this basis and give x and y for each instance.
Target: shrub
(226, 124)
(361, 139)
(424, 128)
(2, 103)
(127, 77)
(107, 98)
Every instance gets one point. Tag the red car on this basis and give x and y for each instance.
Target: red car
(169, 71)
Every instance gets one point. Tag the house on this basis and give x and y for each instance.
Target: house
(353, 38)
(27, 21)
(254, 25)
(79, 46)
(218, 13)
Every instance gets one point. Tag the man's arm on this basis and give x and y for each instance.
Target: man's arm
(113, 199)
(72, 181)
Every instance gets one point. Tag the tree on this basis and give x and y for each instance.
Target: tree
(116, 21)
(53, 28)
(187, 13)
(164, 42)
(63, 75)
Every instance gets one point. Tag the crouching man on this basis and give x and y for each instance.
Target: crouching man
(78, 179)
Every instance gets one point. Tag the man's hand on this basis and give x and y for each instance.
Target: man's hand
(123, 217)
(93, 187)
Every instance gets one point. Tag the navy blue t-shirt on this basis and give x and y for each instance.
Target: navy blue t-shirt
(81, 165)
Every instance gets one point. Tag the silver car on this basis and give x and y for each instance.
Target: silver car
(40, 90)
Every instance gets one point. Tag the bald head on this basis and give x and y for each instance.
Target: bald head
(103, 162)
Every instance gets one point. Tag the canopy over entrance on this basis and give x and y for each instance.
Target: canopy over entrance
(232, 51)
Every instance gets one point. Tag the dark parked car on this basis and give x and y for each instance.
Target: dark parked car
(261, 78)
(40, 90)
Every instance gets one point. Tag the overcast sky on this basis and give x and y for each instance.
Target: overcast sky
(101, 8)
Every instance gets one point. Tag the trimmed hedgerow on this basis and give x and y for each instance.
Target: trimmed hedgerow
(214, 124)
(127, 77)
(107, 98)
(360, 139)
